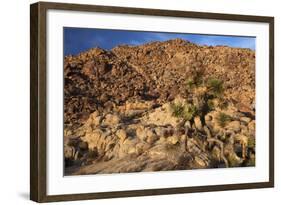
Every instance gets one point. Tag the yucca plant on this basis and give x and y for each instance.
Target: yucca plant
(201, 94)
(185, 111)
(223, 119)
(215, 86)
(189, 83)
(189, 111)
(177, 109)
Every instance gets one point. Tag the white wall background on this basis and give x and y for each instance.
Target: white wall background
(14, 101)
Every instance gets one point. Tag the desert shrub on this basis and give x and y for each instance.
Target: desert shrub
(196, 77)
(185, 111)
(223, 104)
(177, 109)
(201, 95)
(211, 105)
(215, 86)
(189, 83)
(189, 111)
(223, 119)
(198, 74)
(251, 142)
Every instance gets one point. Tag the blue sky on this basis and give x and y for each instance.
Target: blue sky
(77, 40)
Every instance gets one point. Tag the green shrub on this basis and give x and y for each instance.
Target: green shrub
(185, 111)
(189, 83)
(177, 110)
(189, 111)
(197, 75)
(251, 142)
(223, 104)
(215, 86)
(200, 97)
(211, 105)
(223, 119)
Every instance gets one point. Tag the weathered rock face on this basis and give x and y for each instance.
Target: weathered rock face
(99, 79)
(118, 115)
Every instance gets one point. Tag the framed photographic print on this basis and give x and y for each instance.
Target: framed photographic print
(134, 102)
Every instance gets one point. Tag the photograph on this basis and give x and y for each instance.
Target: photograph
(146, 101)
(140, 101)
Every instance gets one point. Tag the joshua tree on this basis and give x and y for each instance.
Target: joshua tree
(201, 95)
(223, 119)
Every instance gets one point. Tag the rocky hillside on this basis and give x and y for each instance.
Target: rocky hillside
(159, 106)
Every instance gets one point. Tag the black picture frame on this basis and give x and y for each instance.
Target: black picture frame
(38, 102)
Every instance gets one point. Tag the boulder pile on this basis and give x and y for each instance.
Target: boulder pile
(119, 117)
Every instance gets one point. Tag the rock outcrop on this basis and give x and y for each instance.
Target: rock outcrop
(118, 109)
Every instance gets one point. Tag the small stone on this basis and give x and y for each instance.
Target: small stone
(161, 139)
(207, 131)
(208, 118)
(216, 153)
(187, 125)
(198, 123)
(132, 150)
(200, 161)
(151, 136)
(68, 151)
(245, 119)
(173, 140)
(234, 126)
(111, 119)
(216, 129)
(159, 131)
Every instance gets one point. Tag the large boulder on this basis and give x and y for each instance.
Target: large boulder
(111, 120)
(234, 126)
(198, 123)
(151, 136)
